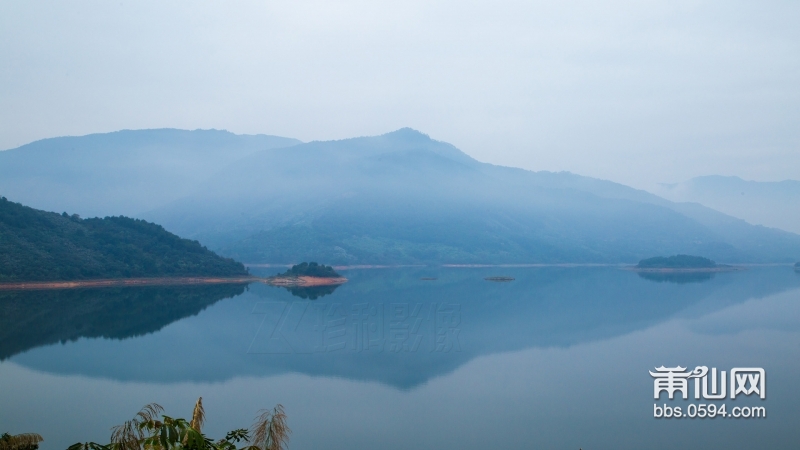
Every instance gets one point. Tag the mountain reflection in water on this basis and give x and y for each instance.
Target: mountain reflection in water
(35, 318)
(383, 325)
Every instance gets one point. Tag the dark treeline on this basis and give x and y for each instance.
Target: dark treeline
(38, 246)
(311, 269)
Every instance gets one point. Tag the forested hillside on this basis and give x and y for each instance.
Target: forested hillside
(37, 245)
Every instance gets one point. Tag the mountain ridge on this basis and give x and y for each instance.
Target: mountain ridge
(406, 177)
(125, 172)
(767, 203)
(405, 198)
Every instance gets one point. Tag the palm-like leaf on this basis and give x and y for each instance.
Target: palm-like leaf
(90, 446)
(129, 435)
(146, 432)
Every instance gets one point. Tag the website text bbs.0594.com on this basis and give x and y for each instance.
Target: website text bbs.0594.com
(709, 385)
(708, 410)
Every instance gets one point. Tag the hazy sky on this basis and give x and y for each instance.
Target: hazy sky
(633, 91)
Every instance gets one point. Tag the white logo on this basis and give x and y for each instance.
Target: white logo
(711, 385)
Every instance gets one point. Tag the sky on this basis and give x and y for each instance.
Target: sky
(638, 92)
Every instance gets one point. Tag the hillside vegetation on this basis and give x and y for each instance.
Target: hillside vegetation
(311, 269)
(41, 246)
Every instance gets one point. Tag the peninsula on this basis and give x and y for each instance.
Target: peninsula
(40, 249)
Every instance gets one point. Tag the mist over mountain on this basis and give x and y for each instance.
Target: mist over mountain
(121, 173)
(405, 198)
(773, 204)
(398, 198)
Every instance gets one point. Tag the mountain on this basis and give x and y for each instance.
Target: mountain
(398, 198)
(39, 245)
(121, 173)
(405, 198)
(773, 204)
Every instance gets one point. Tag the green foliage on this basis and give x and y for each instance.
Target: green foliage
(90, 446)
(42, 246)
(677, 262)
(146, 432)
(311, 269)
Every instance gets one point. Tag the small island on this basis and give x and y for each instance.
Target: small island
(307, 274)
(681, 263)
(797, 266)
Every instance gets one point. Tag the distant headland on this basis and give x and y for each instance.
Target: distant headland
(46, 247)
(46, 250)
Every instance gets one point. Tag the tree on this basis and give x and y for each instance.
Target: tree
(146, 432)
(25, 441)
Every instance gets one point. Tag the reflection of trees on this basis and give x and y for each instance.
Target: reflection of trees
(677, 277)
(543, 308)
(311, 292)
(30, 319)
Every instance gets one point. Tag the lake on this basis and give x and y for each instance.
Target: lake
(423, 358)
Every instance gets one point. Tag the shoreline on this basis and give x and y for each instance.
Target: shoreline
(170, 281)
(304, 281)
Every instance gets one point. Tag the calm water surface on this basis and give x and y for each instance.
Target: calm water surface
(557, 358)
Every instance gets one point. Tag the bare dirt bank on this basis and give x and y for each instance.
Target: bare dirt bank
(304, 281)
(117, 282)
(122, 282)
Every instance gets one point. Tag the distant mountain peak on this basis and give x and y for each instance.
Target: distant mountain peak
(407, 134)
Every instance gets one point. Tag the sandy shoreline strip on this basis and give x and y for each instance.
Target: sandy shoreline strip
(304, 281)
(170, 281)
(119, 282)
